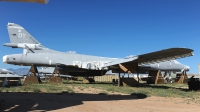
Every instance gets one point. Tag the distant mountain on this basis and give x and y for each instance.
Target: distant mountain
(20, 71)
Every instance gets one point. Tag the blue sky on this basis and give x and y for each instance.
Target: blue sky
(110, 28)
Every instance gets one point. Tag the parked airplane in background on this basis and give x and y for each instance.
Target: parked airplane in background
(36, 1)
(82, 65)
(5, 71)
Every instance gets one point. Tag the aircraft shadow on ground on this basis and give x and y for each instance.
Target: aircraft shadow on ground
(87, 83)
(13, 102)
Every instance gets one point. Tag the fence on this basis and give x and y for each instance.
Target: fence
(105, 78)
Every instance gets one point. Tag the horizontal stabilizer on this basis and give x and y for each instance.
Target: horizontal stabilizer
(13, 45)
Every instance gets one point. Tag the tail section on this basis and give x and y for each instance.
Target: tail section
(18, 35)
(20, 38)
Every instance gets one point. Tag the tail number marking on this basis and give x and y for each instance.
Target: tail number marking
(21, 35)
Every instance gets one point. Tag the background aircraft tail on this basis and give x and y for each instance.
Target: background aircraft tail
(18, 34)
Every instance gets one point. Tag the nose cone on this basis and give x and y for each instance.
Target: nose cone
(187, 68)
(5, 59)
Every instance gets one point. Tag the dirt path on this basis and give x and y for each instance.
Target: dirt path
(89, 100)
(92, 102)
(151, 104)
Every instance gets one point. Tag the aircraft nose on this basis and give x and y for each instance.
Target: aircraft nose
(5, 59)
(187, 68)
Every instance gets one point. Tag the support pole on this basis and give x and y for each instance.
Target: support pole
(138, 75)
(128, 75)
(156, 78)
(183, 78)
(5, 83)
(19, 83)
(33, 70)
(165, 74)
(119, 79)
(56, 72)
(55, 79)
(170, 76)
(33, 77)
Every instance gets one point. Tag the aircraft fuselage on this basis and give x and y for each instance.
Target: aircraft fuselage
(82, 61)
(58, 59)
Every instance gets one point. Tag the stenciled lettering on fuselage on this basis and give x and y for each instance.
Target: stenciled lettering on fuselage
(94, 65)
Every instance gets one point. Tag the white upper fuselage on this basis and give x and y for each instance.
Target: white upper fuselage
(52, 58)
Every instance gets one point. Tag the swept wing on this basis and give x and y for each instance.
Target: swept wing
(153, 57)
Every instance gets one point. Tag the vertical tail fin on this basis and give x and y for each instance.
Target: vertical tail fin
(20, 38)
(18, 34)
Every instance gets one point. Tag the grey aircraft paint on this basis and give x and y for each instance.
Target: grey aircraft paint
(73, 63)
(172, 65)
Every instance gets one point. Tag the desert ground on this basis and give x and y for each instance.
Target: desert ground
(90, 100)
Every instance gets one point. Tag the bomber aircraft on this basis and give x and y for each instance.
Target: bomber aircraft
(86, 65)
(36, 1)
